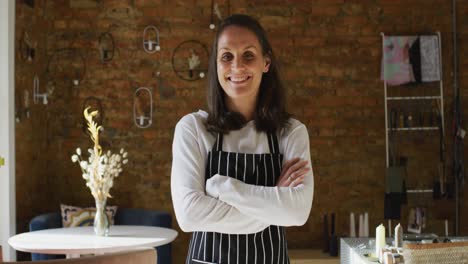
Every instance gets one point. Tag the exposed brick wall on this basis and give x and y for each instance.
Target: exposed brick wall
(330, 53)
(32, 186)
(30, 130)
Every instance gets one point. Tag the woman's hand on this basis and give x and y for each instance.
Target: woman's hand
(293, 173)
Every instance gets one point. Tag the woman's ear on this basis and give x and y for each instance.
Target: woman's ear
(267, 64)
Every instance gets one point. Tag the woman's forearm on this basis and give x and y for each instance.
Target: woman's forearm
(284, 206)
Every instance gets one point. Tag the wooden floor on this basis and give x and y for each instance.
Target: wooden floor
(311, 256)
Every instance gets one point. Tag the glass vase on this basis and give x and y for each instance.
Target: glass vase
(101, 222)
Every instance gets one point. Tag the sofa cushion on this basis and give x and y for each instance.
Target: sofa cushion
(76, 216)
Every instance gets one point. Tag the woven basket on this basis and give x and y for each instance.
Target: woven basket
(438, 253)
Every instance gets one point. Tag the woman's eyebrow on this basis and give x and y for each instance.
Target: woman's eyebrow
(251, 46)
(246, 48)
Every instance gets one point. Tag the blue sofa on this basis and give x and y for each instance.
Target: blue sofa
(123, 216)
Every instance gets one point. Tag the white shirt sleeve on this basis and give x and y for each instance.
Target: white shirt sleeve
(283, 206)
(194, 210)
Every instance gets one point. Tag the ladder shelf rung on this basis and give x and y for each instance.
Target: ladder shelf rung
(413, 97)
(412, 128)
(419, 191)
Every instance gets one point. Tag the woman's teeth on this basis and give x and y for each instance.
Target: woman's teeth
(238, 79)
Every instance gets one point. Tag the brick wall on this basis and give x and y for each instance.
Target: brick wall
(31, 147)
(32, 181)
(330, 53)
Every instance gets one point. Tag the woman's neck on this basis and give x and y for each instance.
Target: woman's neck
(246, 109)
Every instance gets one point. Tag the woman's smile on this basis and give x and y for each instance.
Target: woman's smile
(239, 79)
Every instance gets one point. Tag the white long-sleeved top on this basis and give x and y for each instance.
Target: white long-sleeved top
(226, 205)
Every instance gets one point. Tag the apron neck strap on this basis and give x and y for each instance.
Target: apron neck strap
(272, 143)
(218, 146)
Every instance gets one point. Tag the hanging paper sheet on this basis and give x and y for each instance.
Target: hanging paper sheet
(430, 63)
(396, 66)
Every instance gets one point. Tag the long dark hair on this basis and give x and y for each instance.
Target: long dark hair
(270, 113)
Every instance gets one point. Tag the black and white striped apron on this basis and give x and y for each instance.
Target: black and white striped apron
(265, 247)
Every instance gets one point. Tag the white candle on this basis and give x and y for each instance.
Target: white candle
(150, 45)
(389, 228)
(379, 239)
(366, 224)
(446, 227)
(361, 225)
(398, 236)
(352, 226)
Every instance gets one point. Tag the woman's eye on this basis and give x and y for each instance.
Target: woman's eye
(226, 57)
(249, 55)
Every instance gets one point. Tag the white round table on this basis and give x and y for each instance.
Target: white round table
(74, 241)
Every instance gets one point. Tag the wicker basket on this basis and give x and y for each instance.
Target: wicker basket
(438, 253)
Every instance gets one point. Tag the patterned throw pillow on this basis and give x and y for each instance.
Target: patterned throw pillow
(73, 216)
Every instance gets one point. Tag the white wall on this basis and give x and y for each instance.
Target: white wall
(7, 127)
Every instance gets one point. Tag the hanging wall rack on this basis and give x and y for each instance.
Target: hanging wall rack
(190, 60)
(27, 48)
(36, 94)
(106, 47)
(140, 118)
(151, 42)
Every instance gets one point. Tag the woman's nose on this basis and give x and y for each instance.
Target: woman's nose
(237, 63)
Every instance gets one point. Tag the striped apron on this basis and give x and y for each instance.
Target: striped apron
(268, 246)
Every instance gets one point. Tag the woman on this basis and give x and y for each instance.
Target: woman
(229, 184)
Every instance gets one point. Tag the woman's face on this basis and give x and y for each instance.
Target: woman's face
(240, 64)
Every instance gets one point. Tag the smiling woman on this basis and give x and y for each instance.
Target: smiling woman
(241, 65)
(241, 172)
(241, 50)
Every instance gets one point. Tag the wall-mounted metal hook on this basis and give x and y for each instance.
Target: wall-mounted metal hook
(215, 11)
(140, 118)
(190, 60)
(27, 47)
(106, 47)
(36, 94)
(151, 43)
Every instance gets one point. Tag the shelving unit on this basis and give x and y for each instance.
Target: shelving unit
(404, 126)
(439, 98)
